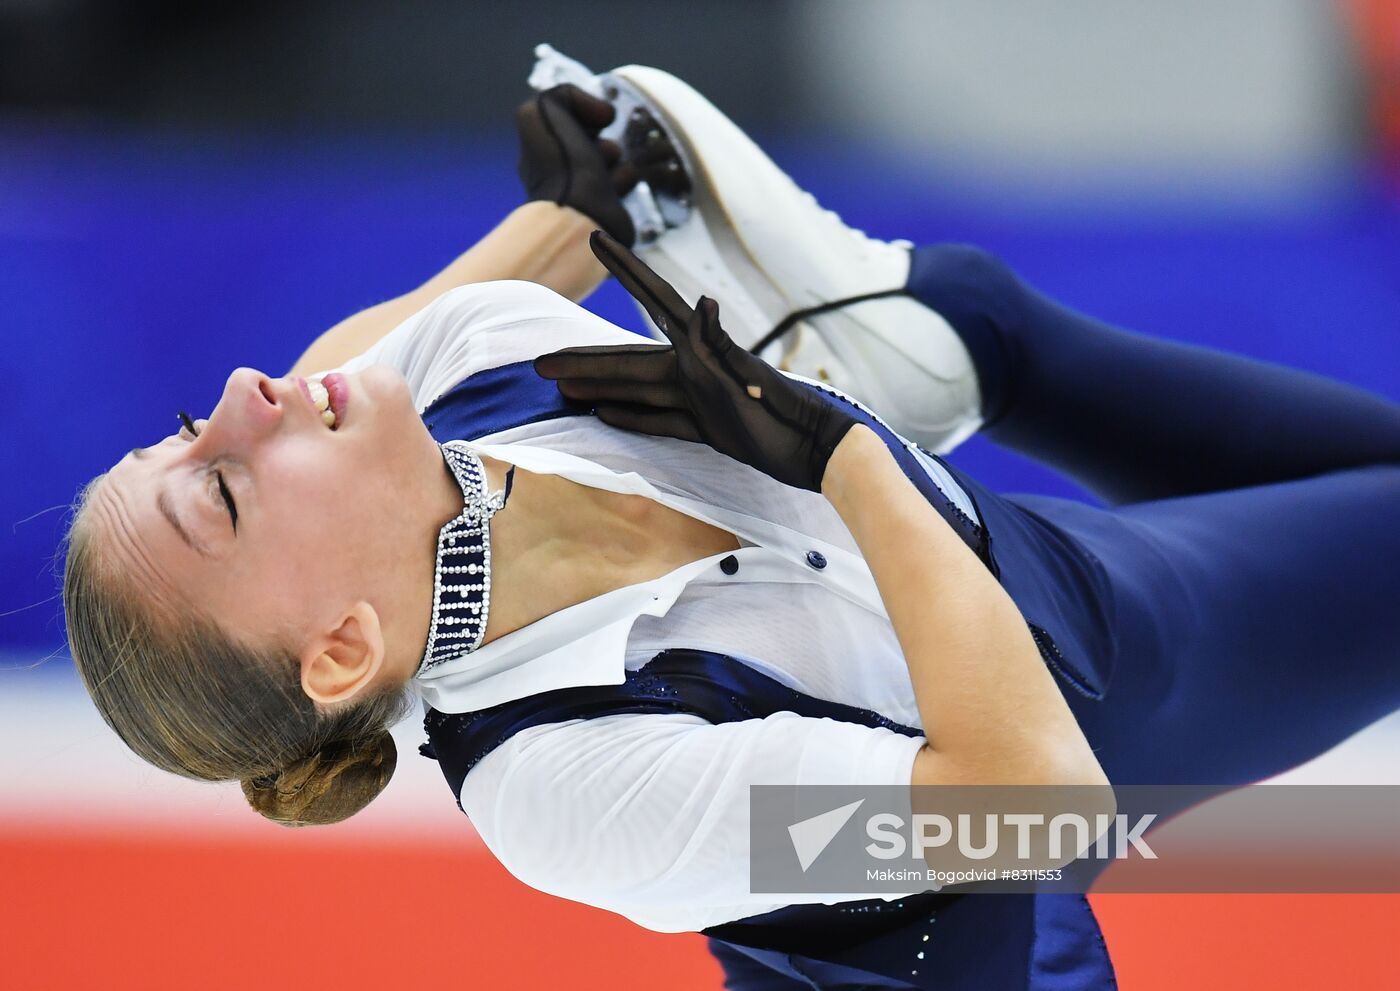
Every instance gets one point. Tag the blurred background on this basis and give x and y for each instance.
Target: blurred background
(185, 188)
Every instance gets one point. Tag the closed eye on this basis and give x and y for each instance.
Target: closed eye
(187, 425)
(228, 500)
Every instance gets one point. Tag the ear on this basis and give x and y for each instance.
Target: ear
(339, 663)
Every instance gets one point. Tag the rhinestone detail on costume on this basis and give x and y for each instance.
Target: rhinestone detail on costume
(462, 570)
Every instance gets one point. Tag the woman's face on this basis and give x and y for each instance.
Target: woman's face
(321, 514)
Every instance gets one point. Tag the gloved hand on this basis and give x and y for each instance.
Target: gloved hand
(702, 387)
(563, 160)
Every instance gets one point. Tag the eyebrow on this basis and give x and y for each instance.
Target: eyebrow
(163, 504)
(168, 511)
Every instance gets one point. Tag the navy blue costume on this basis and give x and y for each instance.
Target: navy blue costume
(1230, 613)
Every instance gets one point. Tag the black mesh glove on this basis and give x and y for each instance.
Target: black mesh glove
(563, 161)
(702, 387)
(647, 153)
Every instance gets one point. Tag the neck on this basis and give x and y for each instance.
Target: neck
(555, 544)
(433, 500)
(558, 543)
(552, 543)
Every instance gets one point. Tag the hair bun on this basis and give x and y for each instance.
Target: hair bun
(329, 786)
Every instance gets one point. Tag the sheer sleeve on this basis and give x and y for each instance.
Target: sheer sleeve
(480, 326)
(647, 815)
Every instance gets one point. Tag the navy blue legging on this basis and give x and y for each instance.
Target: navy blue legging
(1250, 540)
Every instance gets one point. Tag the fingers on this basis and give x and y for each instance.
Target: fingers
(667, 176)
(538, 142)
(643, 363)
(661, 168)
(622, 173)
(707, 337)
(624, 177)
(717, 352)
(659, 395)
(665, 305)
(592, 112)
(611, 152)
(645, 420)
(653, 147)
(565, 115)
(653, 155)
(710, 332)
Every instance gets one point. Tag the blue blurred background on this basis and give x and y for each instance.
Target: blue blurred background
(189, 187)
(185, 188)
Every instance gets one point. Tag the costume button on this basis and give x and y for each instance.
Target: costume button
(816, 559)
(729, 565)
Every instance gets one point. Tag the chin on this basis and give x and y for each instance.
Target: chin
(387, 385)
(388, 402)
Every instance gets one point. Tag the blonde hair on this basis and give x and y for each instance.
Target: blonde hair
(190, 699)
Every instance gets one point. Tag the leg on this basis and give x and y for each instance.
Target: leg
(1132, 417)
(1252, 629)
(1236, 632)
(745, 973)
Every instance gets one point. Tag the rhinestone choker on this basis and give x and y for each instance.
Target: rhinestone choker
(462, 571)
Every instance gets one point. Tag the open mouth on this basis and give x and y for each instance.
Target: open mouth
(327, 395)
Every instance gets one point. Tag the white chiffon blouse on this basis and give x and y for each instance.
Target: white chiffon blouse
(646, 814)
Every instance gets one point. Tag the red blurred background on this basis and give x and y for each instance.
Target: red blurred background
(99, 911)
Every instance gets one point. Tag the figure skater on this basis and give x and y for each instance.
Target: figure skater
(628, 579)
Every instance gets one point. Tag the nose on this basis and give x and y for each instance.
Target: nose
(249, 410)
